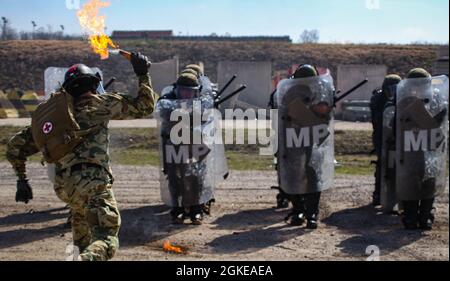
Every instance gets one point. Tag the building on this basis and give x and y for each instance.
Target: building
(142, 34)
(441, 65)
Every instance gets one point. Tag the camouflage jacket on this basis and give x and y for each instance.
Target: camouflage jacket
(90, 111)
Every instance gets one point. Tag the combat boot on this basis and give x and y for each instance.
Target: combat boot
(297, 216)
(312, 209)
(426, 215)
(196, 215)
(282, 198)
(282, 201)
(410, 217)
(376, 199)
(178, 215)
(312, 222)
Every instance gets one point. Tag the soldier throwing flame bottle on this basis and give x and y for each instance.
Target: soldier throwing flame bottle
(71, 130)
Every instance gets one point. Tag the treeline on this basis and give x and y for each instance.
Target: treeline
(8, 32)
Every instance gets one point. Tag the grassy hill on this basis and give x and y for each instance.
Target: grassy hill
(22, 63)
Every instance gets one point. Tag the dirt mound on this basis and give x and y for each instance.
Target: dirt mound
(22, 63)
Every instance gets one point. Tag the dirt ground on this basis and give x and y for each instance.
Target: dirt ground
(244, 225)
(151, 123)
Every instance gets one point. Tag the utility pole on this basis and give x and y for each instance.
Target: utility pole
(34, 27)
(5, 22)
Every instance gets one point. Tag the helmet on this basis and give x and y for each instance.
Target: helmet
(304, 71)
(418, 73)
(391, 80)
(189, 71)
(80, 79)
(187, 86)
(196, 68)
(390, 85)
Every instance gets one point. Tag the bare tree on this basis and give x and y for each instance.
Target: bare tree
(310, 36)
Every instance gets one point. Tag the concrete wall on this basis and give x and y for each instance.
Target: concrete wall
(350, 75)
(441, 66)
(256, 75)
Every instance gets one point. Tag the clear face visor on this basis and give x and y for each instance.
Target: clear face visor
(322, 108)
(187, 93)
(100, 89)
(391, 91)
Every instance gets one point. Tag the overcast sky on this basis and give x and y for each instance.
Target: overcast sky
(358, 21)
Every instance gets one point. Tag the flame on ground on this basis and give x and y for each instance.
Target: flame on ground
(168, 247)
(95, 25)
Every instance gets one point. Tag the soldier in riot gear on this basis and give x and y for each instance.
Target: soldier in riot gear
(306, 142)
(422, 142)
(385, 193)
(187, 184)
(83, 171)
(191, 69)
(378, 102)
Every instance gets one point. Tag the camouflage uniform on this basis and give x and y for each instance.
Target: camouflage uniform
(84, 177)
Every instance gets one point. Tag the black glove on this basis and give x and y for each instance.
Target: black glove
(24, 192)
(140, 63)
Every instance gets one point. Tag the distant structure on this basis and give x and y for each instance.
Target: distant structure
(143, 34)
(442, 63)
(169, 35)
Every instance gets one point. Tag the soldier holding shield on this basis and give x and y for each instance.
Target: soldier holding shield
(305, 141)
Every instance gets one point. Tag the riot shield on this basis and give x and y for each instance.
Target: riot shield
(422, 138)
(53, 80)
(388, 193)
(167, 90)
(305, 134)
(207, 87)
(191, 167)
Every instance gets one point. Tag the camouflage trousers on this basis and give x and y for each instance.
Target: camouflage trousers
(61, 193)
(95, 216)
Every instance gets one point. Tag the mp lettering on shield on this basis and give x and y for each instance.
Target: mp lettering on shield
(307, 136)
(424, 140)
(186, 154)
(47, 128)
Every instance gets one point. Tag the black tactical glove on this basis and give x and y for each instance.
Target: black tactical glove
(24, 192)
(140, 63)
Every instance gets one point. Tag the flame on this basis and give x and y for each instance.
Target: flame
(94, 24)
(168, 247)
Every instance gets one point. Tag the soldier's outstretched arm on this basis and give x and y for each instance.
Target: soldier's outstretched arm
(126, 107)
(20, 147)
